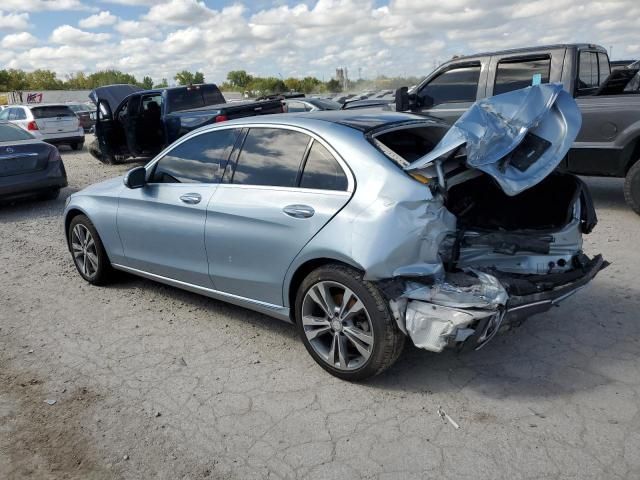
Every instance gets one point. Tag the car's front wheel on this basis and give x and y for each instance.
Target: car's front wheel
(345, 323)
(89, 255)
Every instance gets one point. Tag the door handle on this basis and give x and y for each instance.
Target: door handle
(299, 211)
(191, 198)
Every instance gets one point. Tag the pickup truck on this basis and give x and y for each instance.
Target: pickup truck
(132, 122)
(608, 143)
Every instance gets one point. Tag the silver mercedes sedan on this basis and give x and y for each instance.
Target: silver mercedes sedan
(360, 227)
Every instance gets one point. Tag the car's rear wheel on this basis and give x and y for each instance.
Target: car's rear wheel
(89, 255)
(345, 323)
(632, 187)
(77, 145)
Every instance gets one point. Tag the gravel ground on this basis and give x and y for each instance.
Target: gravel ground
(153, 382)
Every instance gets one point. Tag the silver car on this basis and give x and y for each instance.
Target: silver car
(361, 228)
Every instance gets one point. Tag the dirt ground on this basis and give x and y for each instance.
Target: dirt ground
(153, 382)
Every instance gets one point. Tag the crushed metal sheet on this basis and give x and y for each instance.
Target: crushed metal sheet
(518, 137)
(487, 292)
(430, 326)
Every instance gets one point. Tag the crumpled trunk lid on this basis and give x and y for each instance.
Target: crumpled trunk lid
(518, 138)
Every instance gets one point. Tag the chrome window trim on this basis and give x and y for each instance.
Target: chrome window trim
(351, 182)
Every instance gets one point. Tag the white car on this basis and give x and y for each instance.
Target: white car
(52, 123)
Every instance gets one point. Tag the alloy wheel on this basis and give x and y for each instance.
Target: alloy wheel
(337, 325)
(84, 250)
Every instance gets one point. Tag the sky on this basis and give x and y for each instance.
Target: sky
(296, 37)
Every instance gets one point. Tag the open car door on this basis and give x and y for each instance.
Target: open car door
(110, 133)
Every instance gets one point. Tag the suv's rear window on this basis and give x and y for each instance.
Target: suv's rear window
(52, 111)
(11, 133)
(193, 97)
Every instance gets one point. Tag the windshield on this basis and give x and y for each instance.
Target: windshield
(197, 96)
(11, 133)
(52, 111)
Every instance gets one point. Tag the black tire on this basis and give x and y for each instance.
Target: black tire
(103, 272)
(632, 187)
(50, 195)
(77, 146)
(388, 340)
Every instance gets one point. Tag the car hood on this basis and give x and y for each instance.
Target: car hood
(518, 137)
(113, 94)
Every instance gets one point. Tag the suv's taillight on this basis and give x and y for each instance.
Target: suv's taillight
(32, 125)
(221, 118)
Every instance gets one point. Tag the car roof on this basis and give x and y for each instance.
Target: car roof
(362, 119)
(527, 50)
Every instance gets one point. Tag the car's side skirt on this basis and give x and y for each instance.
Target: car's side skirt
(276, 311)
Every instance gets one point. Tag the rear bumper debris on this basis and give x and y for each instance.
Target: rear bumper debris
(468, 314)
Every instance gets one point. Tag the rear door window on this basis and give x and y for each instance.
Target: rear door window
(453, 86)
(200, 159)
(520, 73)
(322, 171)
(603, 66)
(52, 111)
(588, 70)
(270, 156)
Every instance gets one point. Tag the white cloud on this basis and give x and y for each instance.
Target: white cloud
(66, 34)
(179, 12)
(18, 41)
(14, 21)
(102, 19)
(304, 37)
(40, 5)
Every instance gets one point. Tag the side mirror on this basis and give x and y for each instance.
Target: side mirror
(402, 99)
(136, 178)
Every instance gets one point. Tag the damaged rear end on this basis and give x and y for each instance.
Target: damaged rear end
(509, 225)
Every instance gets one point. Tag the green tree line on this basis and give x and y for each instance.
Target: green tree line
(236, 80)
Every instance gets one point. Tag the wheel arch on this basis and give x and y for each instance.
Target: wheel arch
(69, 216)
(304, 269)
